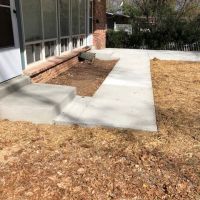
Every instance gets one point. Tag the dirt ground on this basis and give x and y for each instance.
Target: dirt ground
(70, 162)
(86, 77)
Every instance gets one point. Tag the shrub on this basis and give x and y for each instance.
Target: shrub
(118, 39)
(179, 33)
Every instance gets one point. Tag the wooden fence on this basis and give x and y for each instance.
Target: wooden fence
(183, 47)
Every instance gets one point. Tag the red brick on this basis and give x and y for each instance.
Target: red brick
(51, 68)
(99, 35)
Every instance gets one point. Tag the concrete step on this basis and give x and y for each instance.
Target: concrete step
(73, 113)
(13, 85)
(38, 103)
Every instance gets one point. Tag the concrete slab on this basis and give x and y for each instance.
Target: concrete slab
(132, 109)
(73, 113)
(13, 85)
(38, 103)
(108, 108)
(125, 99)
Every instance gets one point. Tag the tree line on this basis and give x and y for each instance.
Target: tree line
(158, 22)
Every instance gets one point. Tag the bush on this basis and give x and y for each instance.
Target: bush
(118, 39)
(169, 32)
(135, 41)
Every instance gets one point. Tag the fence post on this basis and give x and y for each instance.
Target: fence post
(115, 26)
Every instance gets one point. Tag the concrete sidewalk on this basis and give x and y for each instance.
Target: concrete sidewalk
(124, 100)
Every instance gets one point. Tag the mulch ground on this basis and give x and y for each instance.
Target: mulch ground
(86, 77)
(70, 162)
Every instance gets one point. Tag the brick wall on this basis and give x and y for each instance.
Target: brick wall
(99, 35)
(54, 72)
(52, 67)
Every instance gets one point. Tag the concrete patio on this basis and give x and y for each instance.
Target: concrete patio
(124, 100)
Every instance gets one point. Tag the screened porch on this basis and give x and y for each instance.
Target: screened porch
(54, 27)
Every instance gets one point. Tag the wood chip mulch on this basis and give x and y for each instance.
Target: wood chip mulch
(70, 162)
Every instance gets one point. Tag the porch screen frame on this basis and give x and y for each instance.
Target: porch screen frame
(42, 41)
(73, 41)
(66, 38)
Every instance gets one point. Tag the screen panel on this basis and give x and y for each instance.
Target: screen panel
(75, 17)
(91, 16)
(82, 16)
(31, 11)
(50, 18)
(65, 17)
(30, 54)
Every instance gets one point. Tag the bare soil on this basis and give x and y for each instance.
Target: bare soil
(71, 162)
(86, 77)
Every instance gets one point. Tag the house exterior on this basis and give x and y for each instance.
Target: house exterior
(116, 18)
(33, 31)
(118, 22)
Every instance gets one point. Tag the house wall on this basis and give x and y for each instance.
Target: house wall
(37, 36)
(29, 46)
(113, 19)
(96, 36)
(99, 35)
(59, 26)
